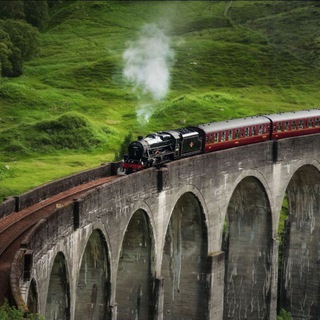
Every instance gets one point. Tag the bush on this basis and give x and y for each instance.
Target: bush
(8, 312)
(36, 12)
(5, 53)
(123, 147)
(18, 42)
(284, 315)
(12, 9)
(69, 131)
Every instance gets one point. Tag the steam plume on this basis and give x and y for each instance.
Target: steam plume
(148, 60)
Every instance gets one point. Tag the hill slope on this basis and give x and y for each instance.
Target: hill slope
(188, 62)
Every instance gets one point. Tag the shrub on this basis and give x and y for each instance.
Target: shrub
(123, 147)
(18, 42)
(284, 315)
(8, 312)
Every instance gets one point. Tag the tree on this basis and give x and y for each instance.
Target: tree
(123, 147)
(36, 12)
(11, 9)
(19, 42)
(5, 53)
(52, 3)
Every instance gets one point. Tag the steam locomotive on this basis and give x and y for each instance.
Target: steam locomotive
(164, 146)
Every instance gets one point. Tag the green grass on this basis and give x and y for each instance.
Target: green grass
(255, 57)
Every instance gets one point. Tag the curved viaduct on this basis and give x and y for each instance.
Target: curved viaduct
(197, 239)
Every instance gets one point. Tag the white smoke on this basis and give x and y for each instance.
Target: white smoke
(148, 61)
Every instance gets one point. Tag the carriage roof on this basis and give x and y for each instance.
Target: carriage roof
(233, 124)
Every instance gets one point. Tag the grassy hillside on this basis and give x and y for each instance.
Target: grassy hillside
(73, 107)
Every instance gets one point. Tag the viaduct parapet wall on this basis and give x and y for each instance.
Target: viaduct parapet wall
(196, 239)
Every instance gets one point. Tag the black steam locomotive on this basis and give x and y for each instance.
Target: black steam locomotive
(160, 147)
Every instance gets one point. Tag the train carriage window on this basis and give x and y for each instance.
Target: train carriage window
(210, 137)
(216, 137)
(310, 122)
(237, 135)
(230, 137)
(317, 122)
(300, 124)
(293, 125)
(247, 132)
(286, 126)
(254, 131)
(223, 136)
(280, 126)
(264, 129)
(260, 130)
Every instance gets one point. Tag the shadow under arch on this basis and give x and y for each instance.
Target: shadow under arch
(93, 288)
(58, 298)
(300, 277)
(32, 300)
(247, 242)
(184, 261)
(134, 278)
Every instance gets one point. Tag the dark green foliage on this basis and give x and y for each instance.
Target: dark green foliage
(18, 42)
(23, 36)
(11, 9)
(6, 47)
(284, 315)
(36, 12)
(11, 313)
(52, 3)
(123, 147)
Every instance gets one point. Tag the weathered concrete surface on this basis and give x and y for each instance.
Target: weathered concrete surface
(301, 277)
(163, 232)
(134, 278)
(7, 206)
(184, 262)
(248, 264)
(58, 298)
(92, 287)
(50, 189)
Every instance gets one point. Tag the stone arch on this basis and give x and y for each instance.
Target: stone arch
(134, 277)
(248, 245)
(92, 292)
(184, 261)
(300, 278)
(32, 299)
(58, 298)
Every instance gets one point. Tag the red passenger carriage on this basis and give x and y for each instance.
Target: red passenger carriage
(290, 124)
(232, 133)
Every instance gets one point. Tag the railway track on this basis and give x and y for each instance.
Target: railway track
(14, 227)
